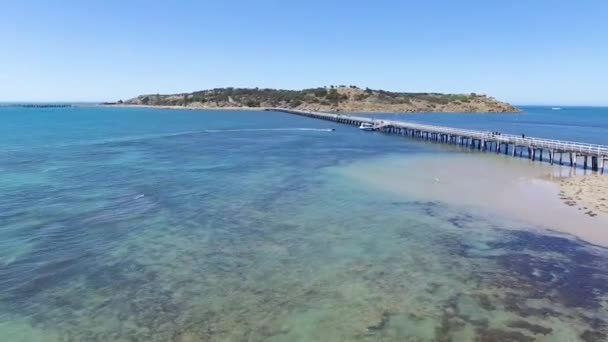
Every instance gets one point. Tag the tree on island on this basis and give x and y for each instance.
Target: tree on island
(252, 103)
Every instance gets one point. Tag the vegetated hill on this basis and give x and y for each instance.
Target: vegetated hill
(336, 99)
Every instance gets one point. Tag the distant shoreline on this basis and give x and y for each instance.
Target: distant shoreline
(262, 109)
(343, 99)
(38, 105)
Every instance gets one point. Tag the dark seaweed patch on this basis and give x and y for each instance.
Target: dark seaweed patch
(34, 274)
(433, 287)
(518, 241)
(498, 335)
(533, 328)
(115, 276)
(384, 319)
(455, 246)
(461, 221)
(565, 271)
(484, 301)
(516, 303)
(562, 269)
(430, 208)
(576, 279)
(443, 333)
(452, 320)
(593, 336)
(598, 331)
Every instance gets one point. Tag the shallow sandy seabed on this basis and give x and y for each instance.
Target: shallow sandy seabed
(514, 188)
(370, 251)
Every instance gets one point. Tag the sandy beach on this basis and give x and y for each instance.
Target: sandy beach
(588, 194)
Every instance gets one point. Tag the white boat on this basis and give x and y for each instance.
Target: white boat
(556, 108)
(366, 126)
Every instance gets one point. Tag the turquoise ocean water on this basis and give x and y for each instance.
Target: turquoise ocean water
(124, 224)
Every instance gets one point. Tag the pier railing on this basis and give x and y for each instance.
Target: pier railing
(561, 145)
(598, 153)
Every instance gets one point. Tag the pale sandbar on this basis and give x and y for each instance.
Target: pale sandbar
(514, 188)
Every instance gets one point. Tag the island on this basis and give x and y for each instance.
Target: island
(327, 99)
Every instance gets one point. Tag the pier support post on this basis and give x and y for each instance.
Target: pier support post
(571, 159)
(594, 163)
(585, 163)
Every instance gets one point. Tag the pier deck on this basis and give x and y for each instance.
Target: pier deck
(593, 156)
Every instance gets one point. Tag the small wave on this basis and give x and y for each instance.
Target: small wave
(49, 169)
(139, 196)
(175, 134)
(266, 129)
(120, 211)
(129, 138)
(166, 135)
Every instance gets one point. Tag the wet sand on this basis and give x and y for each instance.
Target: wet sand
(498, 185)
(586, 193)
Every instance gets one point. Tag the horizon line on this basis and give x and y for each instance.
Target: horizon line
(9, 102)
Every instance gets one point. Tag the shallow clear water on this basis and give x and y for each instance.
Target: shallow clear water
(158, 225)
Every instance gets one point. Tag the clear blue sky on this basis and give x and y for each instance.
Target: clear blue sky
(525, 52)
